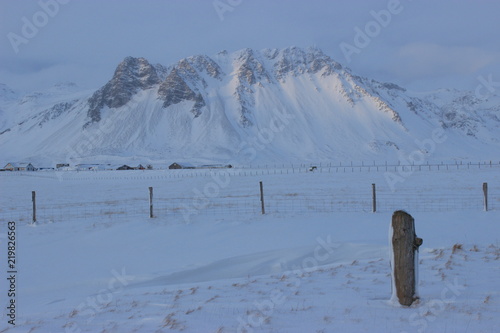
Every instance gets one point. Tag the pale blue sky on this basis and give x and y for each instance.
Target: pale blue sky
(424, 44)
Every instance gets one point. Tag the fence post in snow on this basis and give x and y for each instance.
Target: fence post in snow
(374, 198)
(262, 198)
(485, 193)
(33, 199)
(404, 261)
(150, 202)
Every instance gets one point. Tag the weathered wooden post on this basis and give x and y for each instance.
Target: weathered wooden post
(404, 262)
(33, 199)
(485, 193)
(262, 198)
(150, 202)
(374, 198)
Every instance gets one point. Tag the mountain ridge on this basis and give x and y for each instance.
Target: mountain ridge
(207, 108)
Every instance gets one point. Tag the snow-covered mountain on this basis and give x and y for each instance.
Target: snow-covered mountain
(248, 106)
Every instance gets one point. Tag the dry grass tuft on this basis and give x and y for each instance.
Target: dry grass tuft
(172, 323)
(474, 249)
(457, 247)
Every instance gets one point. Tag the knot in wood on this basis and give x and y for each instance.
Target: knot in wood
(417, 243)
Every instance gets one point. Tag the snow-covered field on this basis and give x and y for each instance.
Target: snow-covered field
(317, 261)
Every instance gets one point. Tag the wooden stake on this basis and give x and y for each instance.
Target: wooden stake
(374, 198)
(33, 199)
(485, 193)
(150, 202)
(404, 245)
(262, 198)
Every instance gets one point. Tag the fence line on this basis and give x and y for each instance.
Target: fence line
(237, 204)
(259, 170)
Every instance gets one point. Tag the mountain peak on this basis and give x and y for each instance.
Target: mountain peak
(211, 107)
(131, 75)
(296, 61)
(271, 104)
(195, 65)
(137, 71)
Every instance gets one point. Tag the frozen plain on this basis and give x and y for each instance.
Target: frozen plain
(227, 268)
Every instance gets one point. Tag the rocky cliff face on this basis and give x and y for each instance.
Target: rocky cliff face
(131, 75)
(186, 83)
(187, 80)
(295, 61)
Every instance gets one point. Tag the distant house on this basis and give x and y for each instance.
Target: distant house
(125, 167)
(181, 166)
(140, 167)
(19, 167)
(206, 166)
(62, 165)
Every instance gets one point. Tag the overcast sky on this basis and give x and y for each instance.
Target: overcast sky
(419, 44)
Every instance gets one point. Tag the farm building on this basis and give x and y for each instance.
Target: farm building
(19, 167)
(206, 166)
(104, 167)
(139, 167)
(125, 167)
(181, 166)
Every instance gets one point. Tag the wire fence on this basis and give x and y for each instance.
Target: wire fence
(279, 203)
(260, 170)
(237, 201)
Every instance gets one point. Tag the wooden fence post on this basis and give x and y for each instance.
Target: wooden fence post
(404, 270)
(262, 198)
(150, 202)
(33, 199)
(374, 198)
(485, 193)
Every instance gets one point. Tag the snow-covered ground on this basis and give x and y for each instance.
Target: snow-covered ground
(320, 262)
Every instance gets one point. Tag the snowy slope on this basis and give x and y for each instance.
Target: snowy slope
(270, 105)
(306, 272)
